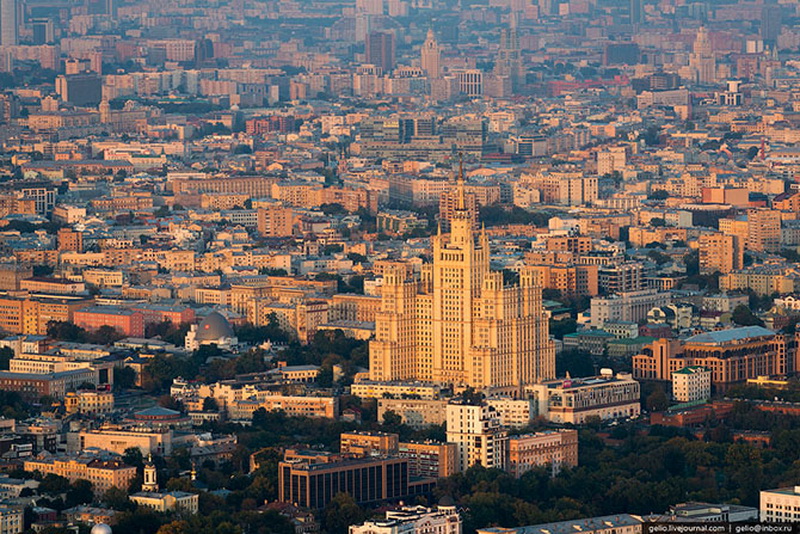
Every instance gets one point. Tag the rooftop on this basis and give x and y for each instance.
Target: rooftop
(730, 335)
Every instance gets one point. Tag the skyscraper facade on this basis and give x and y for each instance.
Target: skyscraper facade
(702, 60)
(431, 56)
(509, 58)
(380, 50)
(460, 323)
(8, 23)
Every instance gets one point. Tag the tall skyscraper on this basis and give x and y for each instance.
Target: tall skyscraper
(460, 322)
(380, 50)
(702, 60)
(431, 56)
(509, 59)
(8, 23)
(770, 23)
(636, 11)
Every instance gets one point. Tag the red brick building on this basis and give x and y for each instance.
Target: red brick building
(128, 322)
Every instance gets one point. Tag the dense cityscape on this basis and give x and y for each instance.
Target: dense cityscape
(399, 266)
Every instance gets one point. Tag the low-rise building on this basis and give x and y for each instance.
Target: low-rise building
(172, 501)
(575, 400)
(416, 413)
(413, 520)
(781, 505)
(103, 473)
(553, 448)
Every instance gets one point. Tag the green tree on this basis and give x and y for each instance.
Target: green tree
(53, 484)
(117, 499)
(6, 353)
(124, 377)
(341, 512)
(744, 316)
(79, 492)
(657, 401)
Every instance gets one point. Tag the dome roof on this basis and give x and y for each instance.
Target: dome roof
(214, 327)
(101, 528)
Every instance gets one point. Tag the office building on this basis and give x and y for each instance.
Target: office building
(82, 89)
(9, 25)
(732, 355)
(460, 323)
(313, 482)
(380, 50)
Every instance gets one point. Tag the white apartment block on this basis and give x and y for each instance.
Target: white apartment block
(478, 434)
(780, 505)
(692, 383)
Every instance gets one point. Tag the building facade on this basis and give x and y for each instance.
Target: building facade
(460, 323)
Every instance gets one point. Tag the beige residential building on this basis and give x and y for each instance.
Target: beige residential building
(12, 520)
(103, 474)
(478, 435)
(89, 402)
(764, 233)
(692, 383)
(416, 413)
(720, 253)
(173, 501)
(553, 448)
(460, 323)
(780, 505)
(576, 400)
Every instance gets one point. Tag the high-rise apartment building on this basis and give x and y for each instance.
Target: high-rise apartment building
(460, 323)
(9, 33)
(479, 437)
(431, 56)
(720, 253)
(764, 230)
(380, 50)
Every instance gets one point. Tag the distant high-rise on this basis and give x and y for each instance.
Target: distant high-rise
(43, 31)
(636, 11)
(380, 50)
(770, 23)
(8, 23)
(702, 60)
(509, 59)
(460, 322)
(431, 56)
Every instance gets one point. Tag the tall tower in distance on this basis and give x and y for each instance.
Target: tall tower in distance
(380, 50)
(460, 322)
(509, 58)
(8, 23)
(636, 12)
(431, 56)
(702, 61)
